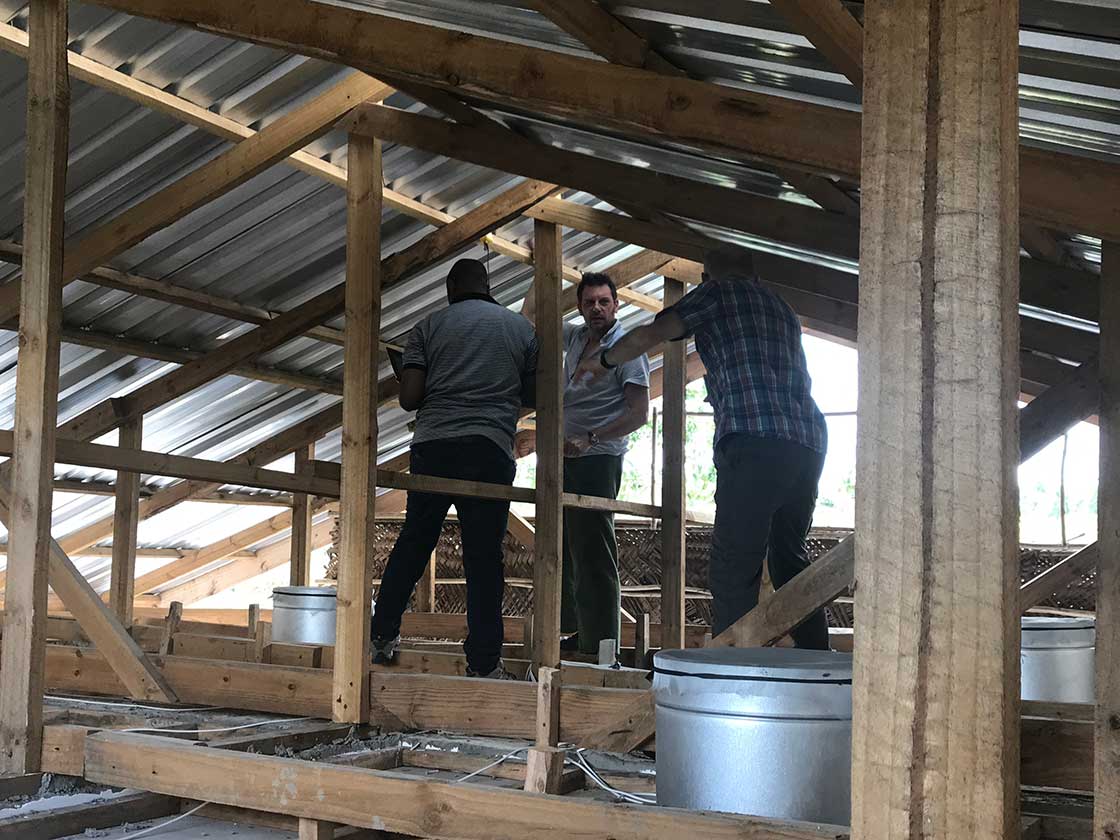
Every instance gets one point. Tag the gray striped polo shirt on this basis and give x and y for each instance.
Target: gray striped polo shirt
(475, 353)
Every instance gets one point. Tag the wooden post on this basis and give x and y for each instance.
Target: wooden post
(545, 762)
(548, 254)
(315, 829)
(641, 641)
(673, 485)
(359, 428)
(170, 628)
(252, 620)
(1106, 799)
(300, 570)
(935, 740)
(122, 576)
(36, 411)
(426, 589)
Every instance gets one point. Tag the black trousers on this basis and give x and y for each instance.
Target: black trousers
(590, 600)
(766, 491)
(482, 524)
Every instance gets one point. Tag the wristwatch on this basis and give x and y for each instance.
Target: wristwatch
(592, 438)
(603, 359)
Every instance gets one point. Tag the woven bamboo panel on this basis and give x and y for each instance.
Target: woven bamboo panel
(640, 566)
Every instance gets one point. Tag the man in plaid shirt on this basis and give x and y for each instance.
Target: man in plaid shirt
(770, 437)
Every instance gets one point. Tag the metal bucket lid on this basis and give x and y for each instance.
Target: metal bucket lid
(758, 683)
(766, 664)
(1044, 632)
(306, 591)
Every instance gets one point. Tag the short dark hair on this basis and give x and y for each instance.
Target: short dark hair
(595, 278)
(468, 274)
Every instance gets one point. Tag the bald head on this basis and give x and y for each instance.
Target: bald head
(467, 277)
(728, 261)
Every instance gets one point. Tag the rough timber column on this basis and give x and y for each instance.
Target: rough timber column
(1106, 799)
(126, 521)
(672, 485)
(935, 743)
(359, 428)
(299, 571)
(40, 321)
(548, 254)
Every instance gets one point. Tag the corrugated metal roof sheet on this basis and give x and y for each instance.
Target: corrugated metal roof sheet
(278, 239)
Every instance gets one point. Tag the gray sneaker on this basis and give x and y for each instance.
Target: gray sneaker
(384, 650)
(499, 673)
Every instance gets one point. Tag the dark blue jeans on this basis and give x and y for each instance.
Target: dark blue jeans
(766, 491)
(482, 524)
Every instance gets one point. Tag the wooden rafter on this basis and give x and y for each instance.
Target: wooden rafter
(1059, 189)
(832, 30)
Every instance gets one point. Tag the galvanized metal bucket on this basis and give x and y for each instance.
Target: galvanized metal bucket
(762, 731)
(304, 614)
(1058, 659)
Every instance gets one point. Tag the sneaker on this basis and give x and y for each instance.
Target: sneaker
(499, 673)
(384, 650)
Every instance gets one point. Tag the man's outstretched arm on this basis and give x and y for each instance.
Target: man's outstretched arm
(668, 327)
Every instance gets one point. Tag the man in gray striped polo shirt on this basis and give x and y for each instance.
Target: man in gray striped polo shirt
(466, 368)
(599, 416)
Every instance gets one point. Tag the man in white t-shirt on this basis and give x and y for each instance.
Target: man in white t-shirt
(599, 416)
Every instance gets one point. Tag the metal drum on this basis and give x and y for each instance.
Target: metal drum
(762, 731)
(1058, 659)
(303, 614)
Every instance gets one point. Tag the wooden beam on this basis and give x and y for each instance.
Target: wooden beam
(603, 33)
(122, 575)
(179, 466)
(36, 408)
(87, 817)
(1058, 577)
(230, 169)
(269, 450)
(1059, 408)
(1063, 190)
(359, 429)
(772, 218)
(240, 570)
(673, 489)
(548, 540)
(831, 29)
(935, 690)
(1106, 791)
(396, 802)
(300, 571)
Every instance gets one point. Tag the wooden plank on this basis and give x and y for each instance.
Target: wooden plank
(359, 429)
(88, 816)
(935, 694)
(122, 575)
(549, 682)
(673, 485)
(591, 24)
(547, 548)
(36, 408)
(571, 779)
(236, 685)
(627, 731)
(395, 802)
(828, 577)
(1057, 754)
(1106, 792)
(1062, 190)
(1058, 408)
(831, 29)
(1066, 571)
(655, 191)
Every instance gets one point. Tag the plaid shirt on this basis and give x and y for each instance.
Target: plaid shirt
(750, 341)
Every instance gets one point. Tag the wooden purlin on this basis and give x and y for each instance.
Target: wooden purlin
(1062, 190)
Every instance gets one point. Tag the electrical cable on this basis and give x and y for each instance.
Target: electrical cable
(576, 757)
(218, 729)
(166, 823)
(491, 765)
(130, 705)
